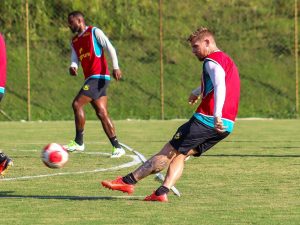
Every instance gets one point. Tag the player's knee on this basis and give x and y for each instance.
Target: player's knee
(76, 106)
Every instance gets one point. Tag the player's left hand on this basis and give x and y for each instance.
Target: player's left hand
(117, 74)
(219, 125)
(193, 99)
(1, 96)
(73, 71)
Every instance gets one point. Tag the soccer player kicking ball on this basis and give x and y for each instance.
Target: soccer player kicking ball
(212, 121)
(88, 47)
(5, 162)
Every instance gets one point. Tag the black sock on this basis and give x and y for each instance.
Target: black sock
(162, 190)
(114, 142)
(129, 179)
(79, 137)
(3, 157)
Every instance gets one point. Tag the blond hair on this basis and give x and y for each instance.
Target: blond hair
(200, 33)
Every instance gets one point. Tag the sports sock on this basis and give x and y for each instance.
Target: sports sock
(114, 142)
(3, 157)
(79, 137)
(129, 179)
(162, 190)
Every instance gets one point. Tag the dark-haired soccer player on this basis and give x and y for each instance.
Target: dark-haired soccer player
(88, 47)
(212, 121)
(5, 162)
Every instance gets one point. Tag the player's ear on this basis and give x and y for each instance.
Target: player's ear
(80, 20)
(206, 42)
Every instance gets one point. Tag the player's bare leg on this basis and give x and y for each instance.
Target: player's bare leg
(175, 169)
(79, 102)
(156, 163)
(174, 172)
(153, 165)
(100, 106)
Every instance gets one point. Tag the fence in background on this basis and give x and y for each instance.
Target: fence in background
(38, 42)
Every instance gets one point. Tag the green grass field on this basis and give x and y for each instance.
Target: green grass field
(252, 177)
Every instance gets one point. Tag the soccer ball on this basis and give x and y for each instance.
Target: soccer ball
(54, 156)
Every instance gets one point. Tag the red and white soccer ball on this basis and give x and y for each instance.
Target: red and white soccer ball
(54, 156)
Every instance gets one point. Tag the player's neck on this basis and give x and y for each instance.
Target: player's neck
(214, 49)
(82, 29)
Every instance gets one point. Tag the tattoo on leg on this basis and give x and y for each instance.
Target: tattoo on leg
(161, 164)
(154, 165)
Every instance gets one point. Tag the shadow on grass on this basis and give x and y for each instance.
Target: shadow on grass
(263, 141)
(237, 141)
(8, 195)
(255, 156)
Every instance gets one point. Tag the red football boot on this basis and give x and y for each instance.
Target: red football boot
(5, 165)
(118, 185)
(158, 198)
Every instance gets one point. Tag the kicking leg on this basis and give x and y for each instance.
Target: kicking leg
(156, 163)
(153, 165)
(174, 172)
(175, 169)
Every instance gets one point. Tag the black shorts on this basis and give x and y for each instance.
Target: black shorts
(195, 135)
(94, 88)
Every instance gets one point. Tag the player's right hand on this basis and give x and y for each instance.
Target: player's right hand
(219, 127)
(73, 71)
(193, 99)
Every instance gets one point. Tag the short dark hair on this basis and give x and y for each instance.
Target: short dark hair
(76, 14)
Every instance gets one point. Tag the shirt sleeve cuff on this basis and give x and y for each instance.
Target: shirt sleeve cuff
(73, 64)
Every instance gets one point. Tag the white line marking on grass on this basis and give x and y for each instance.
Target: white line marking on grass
(134, 162)
(42, 144)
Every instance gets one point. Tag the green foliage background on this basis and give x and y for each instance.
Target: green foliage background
(258, 35)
